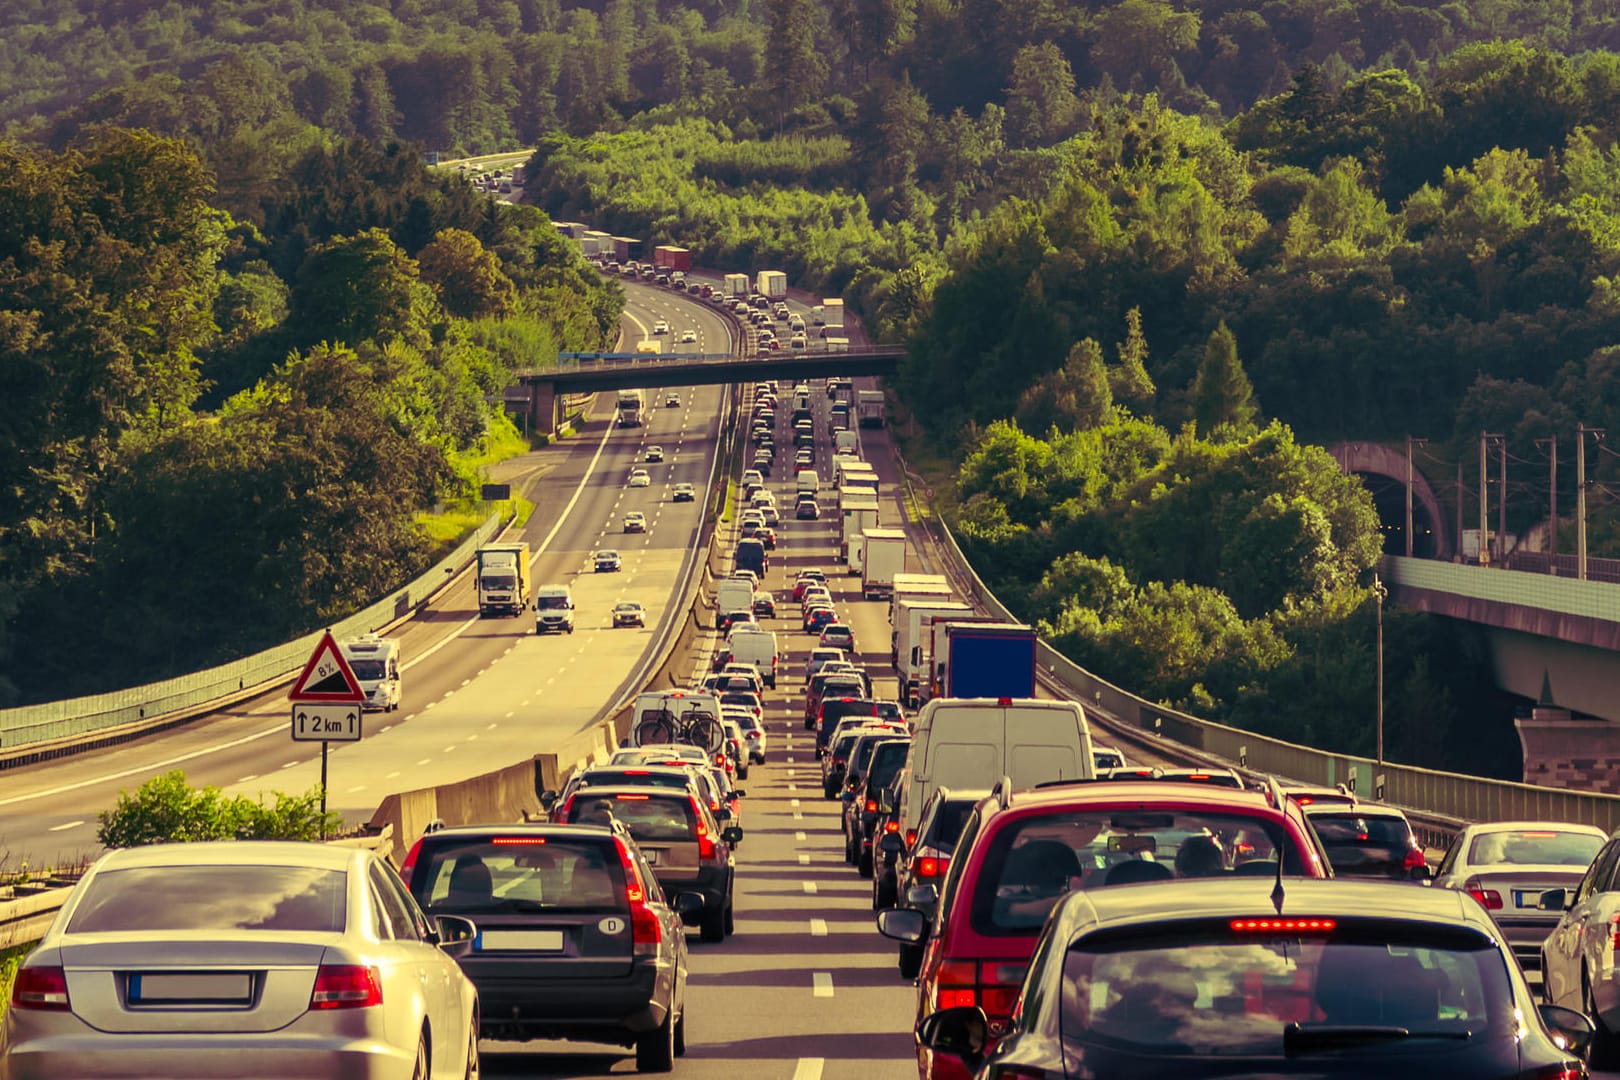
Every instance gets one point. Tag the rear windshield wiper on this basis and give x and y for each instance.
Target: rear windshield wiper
(1304, 1038)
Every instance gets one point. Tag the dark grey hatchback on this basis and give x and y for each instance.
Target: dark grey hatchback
(575, 938)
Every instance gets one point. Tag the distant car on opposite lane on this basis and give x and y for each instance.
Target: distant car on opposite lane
(640, 478)
(635, 521)
(607, 561)
(685, 493)
(628, 613)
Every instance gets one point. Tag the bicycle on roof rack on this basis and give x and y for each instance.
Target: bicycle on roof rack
(695, 727)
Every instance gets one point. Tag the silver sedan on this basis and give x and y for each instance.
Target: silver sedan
(256, 959)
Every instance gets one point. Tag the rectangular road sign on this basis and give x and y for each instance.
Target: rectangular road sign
(326, 723)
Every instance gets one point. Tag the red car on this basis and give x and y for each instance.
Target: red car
(1021, 852)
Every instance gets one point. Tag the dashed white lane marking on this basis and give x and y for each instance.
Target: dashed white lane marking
(810, 888)
(804, 860)
(798, 836)
(289, 764)
(249, 776)
(447, 749)
(425, 761)
(822, 983)
(66, 826)
(390, 776)
(793, 802)
(510, 714)
(352, 790)
(818, 927)
(429, 705)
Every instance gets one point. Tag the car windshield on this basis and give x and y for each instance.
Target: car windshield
(1032, 862)
(1532, 847)
(649, 817)
(369, 670)
(282, 899)
(640, 777)
(1356, 830)
(1225, 992)
(517, 874)
(551, 603)
(947, 825)
(887, 761)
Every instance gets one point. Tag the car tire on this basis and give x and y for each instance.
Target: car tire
(863, 862)
(475, 1068)
(1604, 1049)
(911, 957)
(828, 789)
(713, 927)
(742, 772)
(884, 892)
(731, 917)
(680, 1034)
(424, 1061)
(655, 1051)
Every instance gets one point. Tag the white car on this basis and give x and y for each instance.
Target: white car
(640, 478)
(660, 327)
(685, 493)
(607, 562)
(688, 336)
(235, 958)
(655, 453)
(635, 522)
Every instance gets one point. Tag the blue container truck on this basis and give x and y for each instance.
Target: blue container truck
(989, 660)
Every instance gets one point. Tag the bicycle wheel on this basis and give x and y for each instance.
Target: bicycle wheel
(705, 731)
(654, 730)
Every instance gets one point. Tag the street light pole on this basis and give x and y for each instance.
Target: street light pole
(1380, 593)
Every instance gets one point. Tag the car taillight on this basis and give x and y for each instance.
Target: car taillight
(1017, 1072)
(706, 848)
(1560, 1072)
(871, 806)
(43, 988)
(911, 837)
(410, 861)
(568, 804)
(1415, 859)
(1489, 897)
(891, 826)
(931, 865)
(346, 986)
(645, 932)
(993, 985)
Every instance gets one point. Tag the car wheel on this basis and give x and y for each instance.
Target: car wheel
(885, 892)
(680, 1034)
(849, 852)
(713, 927)
(419, 1070)
(828, 789)
(474, 1067)
(731, 917)
(910, 961)
(863, 863)
(1601, 1053)
(655, 1051)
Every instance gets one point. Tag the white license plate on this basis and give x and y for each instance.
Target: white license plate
(147, 989)
(520, 941)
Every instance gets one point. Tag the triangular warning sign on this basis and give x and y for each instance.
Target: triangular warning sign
(327, 677)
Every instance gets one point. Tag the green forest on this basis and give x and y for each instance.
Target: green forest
(1218, 230)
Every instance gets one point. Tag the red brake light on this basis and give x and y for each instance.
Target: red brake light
(891, 826)
(1294, 926)
(931, 867)
(43, 988)
(631, 798)
(410, 861)
(911, 837)
(513, 840)
(346, 986)
(645, 932)
(638, 772)
(871, 806)
(1489, 897)
(1304, 800)
(1415, 859)
(1004, 701)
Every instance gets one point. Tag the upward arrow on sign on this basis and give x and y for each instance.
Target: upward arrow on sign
(327, 677)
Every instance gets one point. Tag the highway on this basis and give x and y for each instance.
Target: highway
(453, 723)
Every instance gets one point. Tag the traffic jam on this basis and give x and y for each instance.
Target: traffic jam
(1061, 911)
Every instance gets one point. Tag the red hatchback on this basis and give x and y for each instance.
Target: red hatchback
(1021, 852)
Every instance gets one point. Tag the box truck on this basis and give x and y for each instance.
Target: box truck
(912, 626)
(737, 286)
(858, 509)
(979, 659)
(916, 587)
(832, 312)
(883, 557)
(670, 257)
(869, 408)
(632, 404)
(771, 284)
(626, 248)
(503, 578)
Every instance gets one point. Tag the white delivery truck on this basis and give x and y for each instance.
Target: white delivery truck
(869, 408)
(732, 594)
(846, 441)
(806, 483)
(832, 311)
(884, 557)
(858, 509)
(751, 645)
(771, 284)
(632, 404)
(375, 663)
(503, 578)
(916, 586)
(737, 285)
(553, 609)
(971, 743)
(859, 476)
(913, 628)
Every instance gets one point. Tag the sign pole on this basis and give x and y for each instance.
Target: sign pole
(324, 745)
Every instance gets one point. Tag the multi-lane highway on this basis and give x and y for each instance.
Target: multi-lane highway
(478, 693)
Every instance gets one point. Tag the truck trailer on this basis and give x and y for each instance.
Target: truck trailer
(503, 579)
(858, 511)
(670, 257)
(977, 659)
(869, 408)
(883, 556)
(771, 284)
(737, 286)
(913, 625)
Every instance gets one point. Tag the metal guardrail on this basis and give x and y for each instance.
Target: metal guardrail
(615, 361)
(71, 717)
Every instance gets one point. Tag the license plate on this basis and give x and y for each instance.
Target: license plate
(1527, 898)
(651, 857)
(150, 989)
(520, 941)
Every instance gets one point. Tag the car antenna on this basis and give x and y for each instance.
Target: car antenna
(1277, 894)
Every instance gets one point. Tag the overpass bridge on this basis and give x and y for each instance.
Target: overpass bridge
(540, 393)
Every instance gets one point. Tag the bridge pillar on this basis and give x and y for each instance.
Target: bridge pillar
(1564, 751)
(543, 408)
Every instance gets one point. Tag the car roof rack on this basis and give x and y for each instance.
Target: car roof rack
(1002, 792)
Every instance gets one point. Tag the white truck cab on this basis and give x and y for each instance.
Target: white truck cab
(553, 609)
(375, 663)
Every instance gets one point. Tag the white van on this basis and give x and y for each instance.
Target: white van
(375, 663)
(674, 707)
(758, 647)
(970, 743)
(732, 594)
(553, 609)
(808, 483)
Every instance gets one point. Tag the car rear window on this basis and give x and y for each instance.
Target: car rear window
(887, 761)
(1534, 847)
(834, 709)
(843, 746)
(947, 825)
(1356, 829)
(648, 816)
(296, 899)
(621, 777)
(1221, 993)
(1031, 862)
(518, 873)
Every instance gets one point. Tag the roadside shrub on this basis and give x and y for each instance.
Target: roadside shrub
(166, 809)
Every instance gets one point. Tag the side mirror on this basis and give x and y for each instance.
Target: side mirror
(456, 935)
(921, 896)
(1421, 873)
(892, 844)
(738, 793)
(1554, 900)
(961, 1032)
(1570, 1029)
(847, 797)
(733, 834)
(903, 924)
(689, 906)
(723, 814)
(548, 799)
